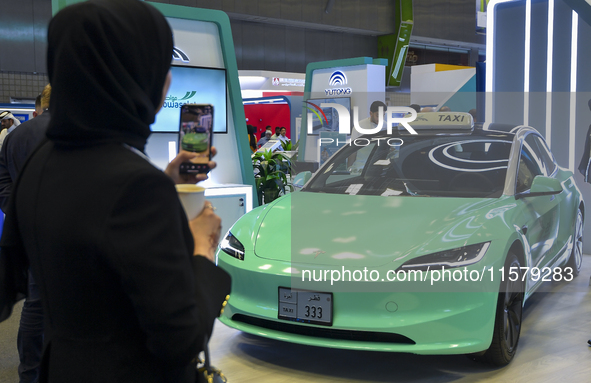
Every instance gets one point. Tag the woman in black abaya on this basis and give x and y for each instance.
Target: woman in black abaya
(127, 283)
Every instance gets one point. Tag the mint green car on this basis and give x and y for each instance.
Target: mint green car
(358, 258)
(195, 142)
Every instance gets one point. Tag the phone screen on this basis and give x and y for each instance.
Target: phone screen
(195, 135)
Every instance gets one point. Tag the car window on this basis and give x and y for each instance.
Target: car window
(530, 165)
(545, 155)
(450, 166)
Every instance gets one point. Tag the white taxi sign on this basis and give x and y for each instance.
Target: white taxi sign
(443, 121)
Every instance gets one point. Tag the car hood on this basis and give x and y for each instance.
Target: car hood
(345, 230)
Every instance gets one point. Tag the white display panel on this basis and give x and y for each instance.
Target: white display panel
(200, 41)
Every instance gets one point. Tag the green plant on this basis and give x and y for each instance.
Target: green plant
(270, 171)
(286, 145)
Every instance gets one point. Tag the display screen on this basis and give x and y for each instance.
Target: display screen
(193, 85)
(328, 120)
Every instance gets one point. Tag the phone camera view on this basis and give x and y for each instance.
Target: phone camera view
(195, 135)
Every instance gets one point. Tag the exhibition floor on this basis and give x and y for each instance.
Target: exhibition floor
(553, 347)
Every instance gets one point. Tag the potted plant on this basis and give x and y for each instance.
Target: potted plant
(270, 178)
(286, 145)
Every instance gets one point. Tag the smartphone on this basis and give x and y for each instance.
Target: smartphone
(195, 135)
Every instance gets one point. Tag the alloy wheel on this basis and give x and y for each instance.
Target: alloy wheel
(513, 306)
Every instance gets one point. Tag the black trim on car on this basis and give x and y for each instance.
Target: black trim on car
(323, 332)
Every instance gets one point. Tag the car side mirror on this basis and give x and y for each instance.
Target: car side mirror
(542, 186)
(300, 179)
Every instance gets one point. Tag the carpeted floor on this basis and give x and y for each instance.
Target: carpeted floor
(8, 352)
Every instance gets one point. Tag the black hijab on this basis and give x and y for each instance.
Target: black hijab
(107, 62)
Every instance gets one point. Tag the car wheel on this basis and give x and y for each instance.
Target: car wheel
(575, 261)
(508, 318)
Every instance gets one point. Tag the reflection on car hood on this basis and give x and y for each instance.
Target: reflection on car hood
(329, 229)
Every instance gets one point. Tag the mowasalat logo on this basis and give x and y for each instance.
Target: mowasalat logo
(400, 115)
(172, 101)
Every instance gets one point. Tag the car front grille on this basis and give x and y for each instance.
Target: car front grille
(329, 333)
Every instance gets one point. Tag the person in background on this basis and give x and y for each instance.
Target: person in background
(585, 164)
(368, 123)
(129, 288)
(416, 107)
(15, 151)
(474, 114)
(267, 129)
(38, 110)
(275, 135)
(445, 109)
(9, 123)
(20, 144)
(252, 139)
(371, 122)
(282, 135)
(427, 109)
(265, 139)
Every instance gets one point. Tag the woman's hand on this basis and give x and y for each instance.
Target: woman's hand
(172, 170)
(206, 229)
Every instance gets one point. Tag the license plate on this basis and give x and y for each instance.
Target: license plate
(305, 306)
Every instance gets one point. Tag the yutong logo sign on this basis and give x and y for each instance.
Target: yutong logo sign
(338, 78)
(398, 115)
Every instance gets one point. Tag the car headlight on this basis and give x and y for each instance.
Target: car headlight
(461, 256)
(232, 246)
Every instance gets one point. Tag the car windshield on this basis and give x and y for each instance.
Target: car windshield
(445, 166)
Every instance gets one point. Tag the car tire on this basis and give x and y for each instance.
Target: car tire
(575, 261)
(508, 318)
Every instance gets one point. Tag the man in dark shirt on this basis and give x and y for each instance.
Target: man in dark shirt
(19, 144)
(17, 147)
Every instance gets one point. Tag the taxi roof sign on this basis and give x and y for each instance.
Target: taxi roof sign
(444, 121)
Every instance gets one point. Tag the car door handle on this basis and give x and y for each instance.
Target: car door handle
(524, 229)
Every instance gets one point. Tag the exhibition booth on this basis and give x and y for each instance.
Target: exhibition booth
(536, 74)
(207, 73)
(438, 85)
(262, 83)
(272, 99)
(477, 219)
(274, 111)
(355, 82)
